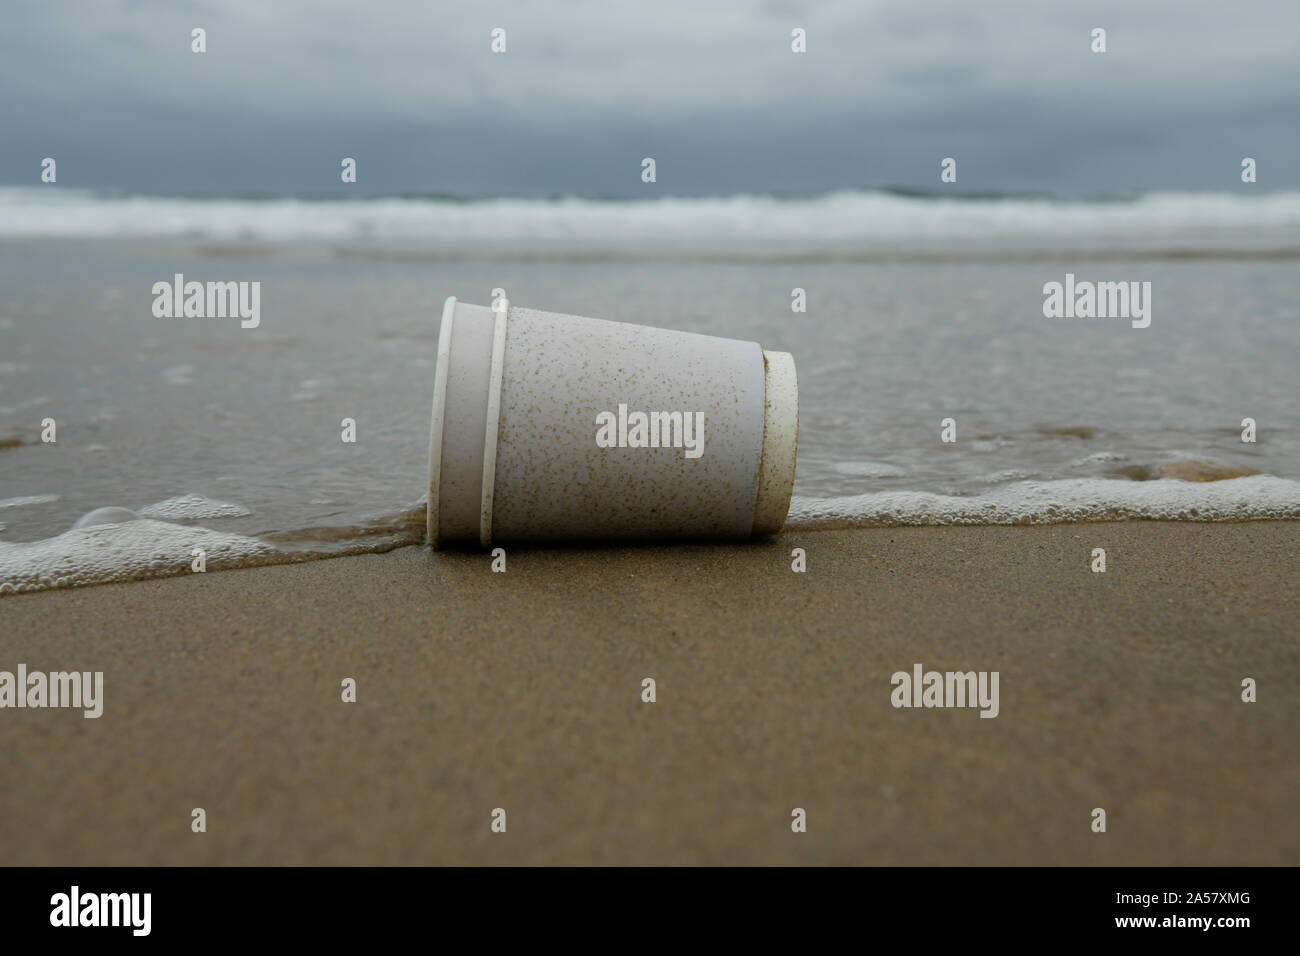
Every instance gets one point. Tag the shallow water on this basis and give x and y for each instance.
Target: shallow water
(197, 422)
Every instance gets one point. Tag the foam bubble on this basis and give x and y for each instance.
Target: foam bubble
(1098, 458)
(27, 500)
(1192, 470)
(1257, 497)
(1013, 474)
(193, 506)
(106, 516)
(869, 469)
(179, 375)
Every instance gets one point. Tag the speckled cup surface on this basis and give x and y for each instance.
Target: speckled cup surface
(513, 454)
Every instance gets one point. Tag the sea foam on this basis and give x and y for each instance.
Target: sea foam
(838, 217)
(130, 547)
(122, 551)
(1257, 497)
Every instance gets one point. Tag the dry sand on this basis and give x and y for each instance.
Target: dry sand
(522, 690)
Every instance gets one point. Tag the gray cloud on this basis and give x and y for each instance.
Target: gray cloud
(712, 91)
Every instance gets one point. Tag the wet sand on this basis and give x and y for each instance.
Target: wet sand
(522, 691)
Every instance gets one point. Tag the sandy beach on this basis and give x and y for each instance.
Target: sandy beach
(478, 690)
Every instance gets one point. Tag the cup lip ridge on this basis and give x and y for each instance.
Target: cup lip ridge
(436, 419)
(780, 453)
(496, 373)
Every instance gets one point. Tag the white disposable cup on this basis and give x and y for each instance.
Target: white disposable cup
(513, 451)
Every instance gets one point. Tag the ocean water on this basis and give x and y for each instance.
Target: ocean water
(918, 309)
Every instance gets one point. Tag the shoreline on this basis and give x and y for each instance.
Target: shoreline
(523, 690)
(147, 549)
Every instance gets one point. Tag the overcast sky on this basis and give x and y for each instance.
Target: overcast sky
(709, 88)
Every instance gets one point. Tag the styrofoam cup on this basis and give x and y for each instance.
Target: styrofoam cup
(518, 399)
